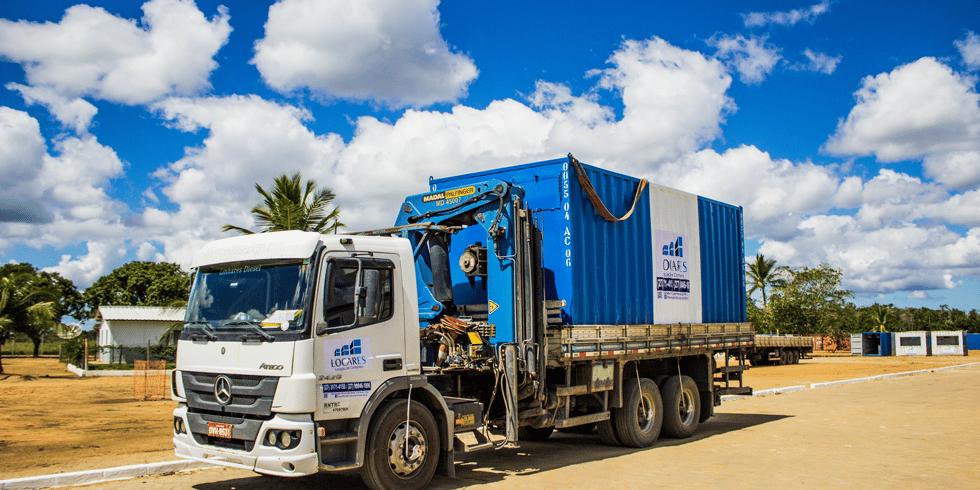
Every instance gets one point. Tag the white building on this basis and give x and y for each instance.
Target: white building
(125, 328)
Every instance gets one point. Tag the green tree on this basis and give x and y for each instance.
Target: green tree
(812, 300)
(880, 314)
(27, 305)
(290, 206)
(967, 321)
(138, 284)
(763, 273)
(29, 286)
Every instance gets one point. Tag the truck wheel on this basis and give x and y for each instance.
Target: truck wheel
(783, 357)
(794, 357)
(399, 455)
(532, 434)
(607, 431)
(638, 423)
(682, 407)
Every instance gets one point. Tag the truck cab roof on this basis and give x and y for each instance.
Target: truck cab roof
(279, 245)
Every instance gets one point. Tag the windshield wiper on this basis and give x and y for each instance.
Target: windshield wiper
(254, 326)
(205, 328)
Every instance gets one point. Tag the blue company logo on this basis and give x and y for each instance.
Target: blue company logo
(675, 248)
(352, 349)
(349, 356)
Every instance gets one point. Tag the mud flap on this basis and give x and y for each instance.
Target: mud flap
(447, 464)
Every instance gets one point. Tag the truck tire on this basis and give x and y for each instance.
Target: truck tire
(794, 357)
(607, 429)
(638, 423)
(529, 433)
(388, 464)
(682, 407)
(783, 357)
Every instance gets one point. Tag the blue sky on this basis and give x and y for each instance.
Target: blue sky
(849, 131)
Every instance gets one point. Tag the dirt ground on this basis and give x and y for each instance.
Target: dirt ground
(55, 422)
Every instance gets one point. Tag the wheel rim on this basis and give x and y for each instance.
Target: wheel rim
(685, 407)
(406, 452)
(646, 412)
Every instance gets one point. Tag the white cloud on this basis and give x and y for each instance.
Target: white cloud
(39, 187)
(388, 51)
(674, 102)
(22, 149)
(788, 18)
(969, 49)
(782, 191)
(751, 57)
(919, 110)
(96, 54)
(74, 113)
(249, 140)
(818, 62)
(56, 200)
(898, 238)
(99, 260)
(959, 209)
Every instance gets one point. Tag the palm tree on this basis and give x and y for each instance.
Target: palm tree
(291, 207)
(763, 273)
(23, 307)
(880, 314)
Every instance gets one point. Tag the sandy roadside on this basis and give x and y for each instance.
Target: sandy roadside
(56, 422)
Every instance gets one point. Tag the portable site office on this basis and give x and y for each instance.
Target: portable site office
(912, 343)
(949, 343)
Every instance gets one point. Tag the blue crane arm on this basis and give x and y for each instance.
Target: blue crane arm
(430, 219)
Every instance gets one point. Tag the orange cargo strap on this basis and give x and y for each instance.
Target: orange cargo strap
(586, 184)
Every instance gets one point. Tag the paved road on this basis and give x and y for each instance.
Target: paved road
(912, 432)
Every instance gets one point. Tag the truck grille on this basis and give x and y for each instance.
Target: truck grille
(250, 395)
(250, 404)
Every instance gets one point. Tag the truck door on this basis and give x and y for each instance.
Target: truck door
(360, 338)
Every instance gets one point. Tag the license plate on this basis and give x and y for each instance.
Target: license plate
(219, 430)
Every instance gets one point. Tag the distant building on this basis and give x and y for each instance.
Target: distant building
(125, 330)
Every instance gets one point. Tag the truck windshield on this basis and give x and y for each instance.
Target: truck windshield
(265, 301)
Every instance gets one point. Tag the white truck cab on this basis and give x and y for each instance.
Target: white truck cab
(285, 334)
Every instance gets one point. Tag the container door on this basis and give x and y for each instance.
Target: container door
(856, 344)
(360, 336)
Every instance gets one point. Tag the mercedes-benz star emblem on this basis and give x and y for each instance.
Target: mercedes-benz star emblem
(222, 389)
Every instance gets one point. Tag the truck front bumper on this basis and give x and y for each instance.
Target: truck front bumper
(297, 461)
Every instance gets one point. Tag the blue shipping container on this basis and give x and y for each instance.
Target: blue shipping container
(678, 258)
(973, 341)
(876, 344)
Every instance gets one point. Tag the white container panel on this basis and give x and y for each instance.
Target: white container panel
(911, 343)
(949, 343)
(677, 256)
(856, 344)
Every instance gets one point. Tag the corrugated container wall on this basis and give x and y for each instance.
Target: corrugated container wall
(722, 254)
(606, 271)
